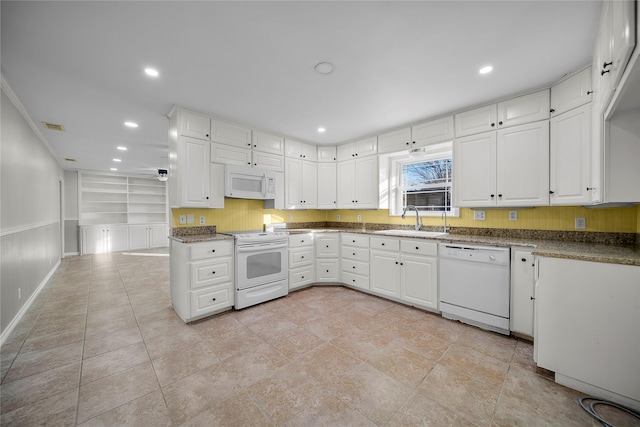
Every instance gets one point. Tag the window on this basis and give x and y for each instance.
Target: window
(423, 180)
(427, 185)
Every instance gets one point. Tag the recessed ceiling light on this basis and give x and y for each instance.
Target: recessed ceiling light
(321, 130)
(324, 67)
(485, 70)
(117, 160)
(151, 72)
(131, 124)
(122, 148)
(113, 169)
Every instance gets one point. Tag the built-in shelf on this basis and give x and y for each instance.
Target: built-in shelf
(119, 199)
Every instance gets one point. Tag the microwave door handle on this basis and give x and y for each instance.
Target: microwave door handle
(260, 247)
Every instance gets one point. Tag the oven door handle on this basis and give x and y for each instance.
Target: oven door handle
(260, 247)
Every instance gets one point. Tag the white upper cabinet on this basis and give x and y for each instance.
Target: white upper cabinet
(571, 92)
(432, 132)
(505, 168)
(570, 158)
(268, 143)
(301, 186)
(267, 161)
(194, 125)
(358, 183)
(193, 189)
(327, 185)
(230, 155)
(300, 150)
(230, 134)
(361, 148)
(512, 112)
(397, 140)
(327, 154)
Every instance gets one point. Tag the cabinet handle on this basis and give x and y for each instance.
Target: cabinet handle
(207, 197)
(553, 110)
(353, 280)
(354, 254)
(532, 298)
(327, 246)
(255, 145)
(249, 163)
(213, 250)
(213, 272)
(302, 257)
(603, 72)
(499, 195)
(589, 92)
(493, 195)
(213, 299)
(524, 260)
(327, 271)
(396, 262)
(500, 123)
(606, 64)
(303, 277)
(356, 154)
(493, 124)
(383, 244)
(551, 192)
(207, 135)
(407, 143)
(413, 142)
(401, 263)
(353, 267)
(417, 248)
(591, 188)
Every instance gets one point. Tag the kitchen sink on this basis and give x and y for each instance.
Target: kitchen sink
(412, 233)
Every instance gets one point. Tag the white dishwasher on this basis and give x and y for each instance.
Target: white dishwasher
(475, 285)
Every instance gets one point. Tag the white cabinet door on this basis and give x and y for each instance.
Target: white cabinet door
(309, 184)
(268, 143)
(571, 92)
(269, 161)
(293, 185)
(522, 157)
(300, 150)
(397, 140)
(327, 185)
(524, 109)
(474, 169)
(366, 147)
(326, 154)
(230, 134)
(230, 155)
(327, 245)
(384, 272)
(93, 239)
(117, 238)
(432, 132)
(327, 270)
(194, 125)
(346, 178)
(420, 281)
(158, 235)
(476, 121)
(194, 173)
(622, 39)
(522, 291)
(367, 181)
(570, 157)
(138, 237)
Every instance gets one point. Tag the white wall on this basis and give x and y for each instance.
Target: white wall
(29, 210)
(71, 230)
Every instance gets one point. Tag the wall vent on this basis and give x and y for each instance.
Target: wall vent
(53, 126)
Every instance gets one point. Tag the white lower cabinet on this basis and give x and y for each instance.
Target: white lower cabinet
(301, 260)
(202, 278)
(147, 236)
(587, 321)
(522, 291)
(327, 246)
(99, 239)
(354, 268)
(406, 270)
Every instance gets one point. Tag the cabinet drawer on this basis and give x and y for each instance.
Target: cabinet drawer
(301, 277)
(360, 282)
(327, 270)
(356, 267)
(210, 300)
(327, 246)
(299, 257)
(384, 244)
(355, 254)
(355, 240)
(417, 246)
(211, 272)
(206, 250)
(298, 240)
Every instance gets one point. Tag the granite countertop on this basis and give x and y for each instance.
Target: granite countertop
(616, 253)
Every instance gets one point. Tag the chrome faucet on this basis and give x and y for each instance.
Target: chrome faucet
(444, 227)
(418, 219)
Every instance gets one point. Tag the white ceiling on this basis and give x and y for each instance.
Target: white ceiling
(80, 64)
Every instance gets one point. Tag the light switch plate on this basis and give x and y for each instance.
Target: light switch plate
(580, 224)
(479, 215)
(183, 219)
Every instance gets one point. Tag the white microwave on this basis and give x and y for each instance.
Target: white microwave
(242, 182)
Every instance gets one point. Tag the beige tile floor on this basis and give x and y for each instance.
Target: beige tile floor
(101, 346)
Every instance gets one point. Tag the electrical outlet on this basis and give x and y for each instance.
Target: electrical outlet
(513, 215)
(337, 217)
(189, 218)
(580, 224)
(479, 215)
(359, 217)
(201, 219)
(290, 218)
(183, 219)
